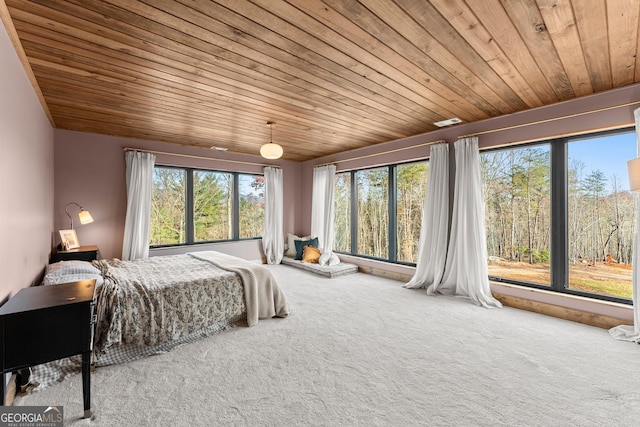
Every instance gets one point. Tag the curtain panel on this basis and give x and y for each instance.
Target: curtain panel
(272, 235)
(139, 192)
(466, 266)
(323, 212)
(432, 248)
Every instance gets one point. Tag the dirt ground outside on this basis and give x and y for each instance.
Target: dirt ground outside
(603, 278)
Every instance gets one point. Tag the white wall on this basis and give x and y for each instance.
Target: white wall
(26, 174)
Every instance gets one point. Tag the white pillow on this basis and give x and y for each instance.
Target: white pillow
(334, 260)
(71, 267)
(71, 271)
(329, 258)
(291, 246)
(56, 280)
(324, 258)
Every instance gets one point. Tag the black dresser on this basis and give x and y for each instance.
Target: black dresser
(44, 323)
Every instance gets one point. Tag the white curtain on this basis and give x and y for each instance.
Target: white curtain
(322, 209)
(466, 266)
(139, 192)
(625, 332)
(272, 235)
(432, 249)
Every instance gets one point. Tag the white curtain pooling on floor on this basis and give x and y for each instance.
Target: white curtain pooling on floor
(432, 250)
(626, 332)
(139, 192)
(272, 235)
(322, 210)
(466, 266)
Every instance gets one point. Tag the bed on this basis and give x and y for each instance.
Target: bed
(151, 305)
(146, 305)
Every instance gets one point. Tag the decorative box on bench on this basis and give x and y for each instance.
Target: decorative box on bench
(323, 270)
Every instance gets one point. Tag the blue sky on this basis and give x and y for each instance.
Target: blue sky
(609, 154)
(246, 188)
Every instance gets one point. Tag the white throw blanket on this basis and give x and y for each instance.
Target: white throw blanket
(263, 296)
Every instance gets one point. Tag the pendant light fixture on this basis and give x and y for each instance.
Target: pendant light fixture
(271, 150)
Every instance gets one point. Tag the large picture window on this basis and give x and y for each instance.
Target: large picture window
(411, 189)
(517, 197)
(378, 212)
(212, 206)
(251, 189)
(196, 206)
(342, 221)
(560, 214)
(168, 226)
(373, 212)
(601, 214)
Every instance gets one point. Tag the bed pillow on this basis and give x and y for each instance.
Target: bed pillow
(329, 258)
(300, 244)
(291, 246)
(310, 254)
(71, 271)
(72, 278)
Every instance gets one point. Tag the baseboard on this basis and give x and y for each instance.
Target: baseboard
(384, 273)
(566, 313)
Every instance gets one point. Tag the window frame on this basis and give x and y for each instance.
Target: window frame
(559, 215)
(392, 201)
(354, 231)
(189, 220)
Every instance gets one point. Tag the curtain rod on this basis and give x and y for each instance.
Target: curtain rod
(561, 135)
(382, 152)
(191, 156)
(552, 119)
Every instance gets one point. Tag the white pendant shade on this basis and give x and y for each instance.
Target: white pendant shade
(271, 151)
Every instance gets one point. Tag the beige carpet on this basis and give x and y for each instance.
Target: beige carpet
(362, 350)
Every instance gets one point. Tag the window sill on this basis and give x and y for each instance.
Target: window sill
(250, 249)
(590, 311)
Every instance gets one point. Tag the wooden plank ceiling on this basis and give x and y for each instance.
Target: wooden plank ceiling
(334, 74)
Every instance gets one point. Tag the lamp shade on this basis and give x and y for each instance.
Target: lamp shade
(633, 167)
(85, 217)
(271, 151)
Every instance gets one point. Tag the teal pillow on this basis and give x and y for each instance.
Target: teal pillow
(300, 244)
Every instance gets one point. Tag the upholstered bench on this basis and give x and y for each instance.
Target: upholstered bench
(323, 270)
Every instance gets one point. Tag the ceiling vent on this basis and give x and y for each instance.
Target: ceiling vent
(448, 122)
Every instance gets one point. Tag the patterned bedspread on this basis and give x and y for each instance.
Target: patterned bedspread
(155, 304)
(150, 302)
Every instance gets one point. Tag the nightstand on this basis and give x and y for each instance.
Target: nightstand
(44, 323)
(83, 253)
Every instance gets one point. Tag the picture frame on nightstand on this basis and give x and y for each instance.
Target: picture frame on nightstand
(69, 239)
